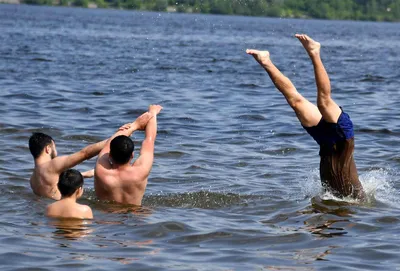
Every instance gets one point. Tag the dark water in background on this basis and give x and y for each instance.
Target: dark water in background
(235, 181)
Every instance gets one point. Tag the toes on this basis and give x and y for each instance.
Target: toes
(300, 37)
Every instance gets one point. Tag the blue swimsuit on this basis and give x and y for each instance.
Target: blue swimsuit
(338, 170)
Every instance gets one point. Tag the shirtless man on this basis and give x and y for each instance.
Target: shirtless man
(330, 127)
(70, 186)
(49, 166)
(116, 179)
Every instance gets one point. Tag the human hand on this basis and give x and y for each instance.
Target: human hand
(88, 174)
(141, 122)
(155, 109)
(124, 127)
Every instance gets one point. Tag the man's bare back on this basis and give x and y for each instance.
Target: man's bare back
(44, 183)
(116, 179)
(120, 184)
(49, 166)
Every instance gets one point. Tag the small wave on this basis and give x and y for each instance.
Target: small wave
(12, 131)
(20, 95)
(356, 60)
(186, 119)
(134, 112)
(87, 138)
(167, 68)
(372, 78)
(52, 131)
(376, 131)
(197, 238)
(283, 134)
(164, 132)
(171, 154)
(251, 117)
(279, 151)
(83, 109)
(251, 85)
(230, 60)
(41, 59)
(201, 199)
(8, 70)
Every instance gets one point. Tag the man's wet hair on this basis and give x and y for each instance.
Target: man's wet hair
(70, 181)
(121, 149)
(37, 143)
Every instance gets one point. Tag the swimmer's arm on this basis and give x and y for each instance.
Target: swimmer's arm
(145, 161)
(127, 130)
(61, 163)
(88, 174)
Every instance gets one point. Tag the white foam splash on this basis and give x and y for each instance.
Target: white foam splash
(378, 185)
(312, 185)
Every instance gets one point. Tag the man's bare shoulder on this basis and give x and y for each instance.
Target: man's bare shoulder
(50, 166)
(86, 211)
(52, 208)
(104, 161)
(85, 208)
(55, 165)
(133, 174)
(139, 172)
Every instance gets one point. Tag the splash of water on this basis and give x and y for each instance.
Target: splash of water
(378, 185)
(312, 185)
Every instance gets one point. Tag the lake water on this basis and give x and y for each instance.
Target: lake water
(235, 183)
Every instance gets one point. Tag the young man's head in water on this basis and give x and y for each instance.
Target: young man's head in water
(121, 149)
(40, 143)
(70, 181)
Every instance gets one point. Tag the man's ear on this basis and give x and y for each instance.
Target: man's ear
(48, 149)
(79, 191)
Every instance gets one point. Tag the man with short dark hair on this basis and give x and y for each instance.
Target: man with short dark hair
(70, 185)
(116, 179)
(49, 166)
(38, 141)
(121, 149)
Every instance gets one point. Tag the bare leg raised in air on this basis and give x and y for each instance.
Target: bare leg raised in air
(306, 112)
(329, 109)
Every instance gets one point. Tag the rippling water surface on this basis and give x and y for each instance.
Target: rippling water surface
(235, 181)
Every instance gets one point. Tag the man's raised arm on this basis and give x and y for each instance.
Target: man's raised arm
(145, 160)
(127, 130)
(88, 174)
(61, 163)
